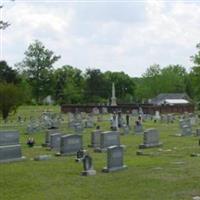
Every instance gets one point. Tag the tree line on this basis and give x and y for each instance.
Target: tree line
(35, 78)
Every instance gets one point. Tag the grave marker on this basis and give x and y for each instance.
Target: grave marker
(114, 159)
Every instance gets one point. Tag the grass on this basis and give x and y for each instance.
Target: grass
(170, 173)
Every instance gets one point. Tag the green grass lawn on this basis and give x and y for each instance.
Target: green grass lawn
(170, 173)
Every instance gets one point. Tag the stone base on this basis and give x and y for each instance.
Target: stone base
(67, 154)
(139, 133)
(99, 150)
(13, 160)
(144, 146)
(89, 173)
(107, 170)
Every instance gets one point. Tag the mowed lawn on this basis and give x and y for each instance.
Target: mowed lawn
(168, 173)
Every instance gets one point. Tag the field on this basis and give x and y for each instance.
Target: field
(168, 172)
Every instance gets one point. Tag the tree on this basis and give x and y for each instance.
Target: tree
(195, 74)
(94, 86)
(7, 74)
(69, 84)
(124, 85)
(11, 98)
(170, 79)
(38, 64)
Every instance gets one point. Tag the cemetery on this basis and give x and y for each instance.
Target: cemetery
(171, 162)
(99, 100)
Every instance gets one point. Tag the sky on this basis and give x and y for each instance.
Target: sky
(110, 35)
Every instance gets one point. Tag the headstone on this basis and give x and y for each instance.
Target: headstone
(48, 135)
(114, 159)
(70, 144)
(33, 127)
(95, 138)
(138, 127)
(151, 139)
(55, 141)
(87, 166)
(10, 149)
(107, 139)
(197, 132)
(78, 128)
(186, 127)
(104, 110)
(114, 122)
(9, 138)
(42, 157)
(157, 115)
(89, 122)
(125, 129)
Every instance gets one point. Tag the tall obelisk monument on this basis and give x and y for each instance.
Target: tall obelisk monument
(113, 98)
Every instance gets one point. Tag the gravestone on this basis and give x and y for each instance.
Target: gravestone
(33, 127)
(95, 138)
(10, 149)
(197, 132)
(186, 127)
(78, 128)
(157, 115)
(125, 129)
(48, 135)
(55, 141)
(87, 166)
(89, 122)
(114, 122)
(138, 127)
(104, 110)
(71, 144)
(114, 159)
(107, 139)
(151, 139)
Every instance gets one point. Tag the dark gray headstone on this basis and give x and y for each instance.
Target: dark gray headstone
(9, 137)
(95, 138)
(138, 129)
(10, 153)
(197, 132)
(107, 139)
(114, 159)
(71, 144)
(88, 167)
(151, 139)
(48, 136)
(55, 141)
(10, 149)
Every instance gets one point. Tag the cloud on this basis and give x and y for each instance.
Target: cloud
(111, 36)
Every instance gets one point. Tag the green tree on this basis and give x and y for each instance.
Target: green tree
(195, 74)
(124, 85)
(11, 98)
(7, 74)
(38, 65)
(69, 84)
(94, 86)
(170, 79)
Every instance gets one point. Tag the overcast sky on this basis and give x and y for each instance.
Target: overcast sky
(124, 36)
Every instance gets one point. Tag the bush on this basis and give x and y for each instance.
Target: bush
(10, 98)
